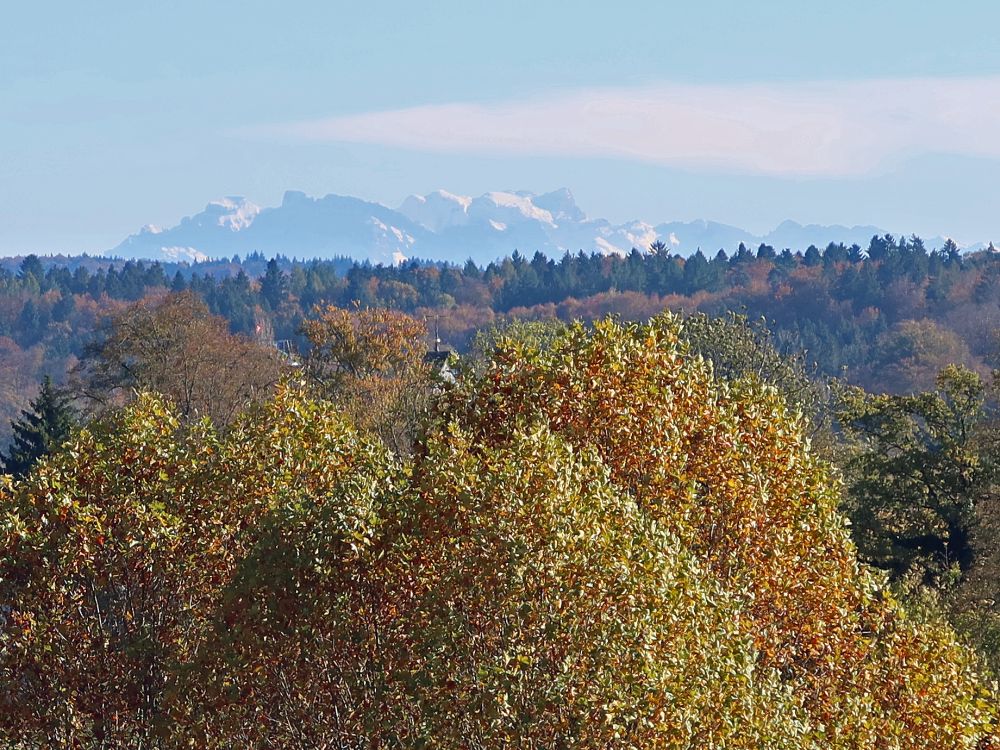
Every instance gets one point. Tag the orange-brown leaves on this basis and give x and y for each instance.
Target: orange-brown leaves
(363, 343)
(370, 362)
(175, 347)
(598, 547)
(727, 469)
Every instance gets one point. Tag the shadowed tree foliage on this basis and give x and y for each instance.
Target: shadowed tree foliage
(918, 472)
(908, 357)
(42, 428)
(924, 497)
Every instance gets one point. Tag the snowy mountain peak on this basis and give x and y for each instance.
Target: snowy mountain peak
(508, 208)
(438, 210)
(445, 196)
(441, 210)
(561, 204)
(447, 227)
(233, 212)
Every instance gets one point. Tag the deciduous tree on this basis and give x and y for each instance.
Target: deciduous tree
(370, 362)
(918, 472)
(174, 346)
(596, 545)
(726, 468)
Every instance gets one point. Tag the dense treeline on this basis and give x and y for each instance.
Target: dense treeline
(887, 316)
(596, 540)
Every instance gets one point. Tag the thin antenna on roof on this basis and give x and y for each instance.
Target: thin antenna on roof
(437, 335)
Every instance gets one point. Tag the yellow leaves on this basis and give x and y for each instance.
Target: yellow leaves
(597, 548)
(728, 470)
(364, 342)
(122, 566)
(576, 596)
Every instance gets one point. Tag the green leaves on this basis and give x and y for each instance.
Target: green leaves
(596, 545)
(727, 470)
(554, 612)
(917, 472)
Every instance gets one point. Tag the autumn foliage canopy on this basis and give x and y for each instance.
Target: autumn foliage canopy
(598, 545)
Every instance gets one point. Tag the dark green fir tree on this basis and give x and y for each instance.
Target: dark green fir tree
(40, 430)
(272, 284)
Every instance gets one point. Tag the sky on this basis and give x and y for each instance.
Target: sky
(117, 114)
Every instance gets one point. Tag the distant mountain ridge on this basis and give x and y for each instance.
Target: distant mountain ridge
(447, 227)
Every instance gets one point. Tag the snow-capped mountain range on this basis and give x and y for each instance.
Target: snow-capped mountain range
(443, 226)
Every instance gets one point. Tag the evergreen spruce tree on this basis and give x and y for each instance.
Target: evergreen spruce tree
(272, 284)
(40, 430)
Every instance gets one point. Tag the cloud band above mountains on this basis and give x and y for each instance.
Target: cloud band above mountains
(822, 129)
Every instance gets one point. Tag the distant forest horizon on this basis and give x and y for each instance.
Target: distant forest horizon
(885, 317)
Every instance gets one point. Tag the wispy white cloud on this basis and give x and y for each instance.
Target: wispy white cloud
(807, 129)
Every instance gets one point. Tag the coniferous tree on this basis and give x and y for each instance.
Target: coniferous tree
(40, 430)
(273, 284)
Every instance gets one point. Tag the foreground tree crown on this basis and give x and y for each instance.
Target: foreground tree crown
(594, 545)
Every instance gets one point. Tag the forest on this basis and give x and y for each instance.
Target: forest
(646, 502)
(888, 316)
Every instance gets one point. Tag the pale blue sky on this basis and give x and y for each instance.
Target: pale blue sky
(114, 114)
